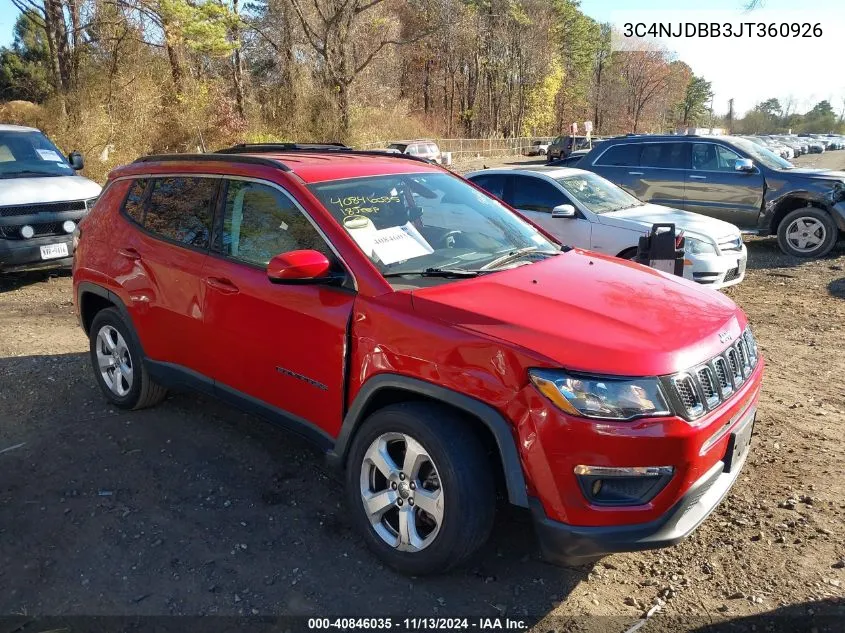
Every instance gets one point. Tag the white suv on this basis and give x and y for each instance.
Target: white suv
(584, 210)
(41, 200)
(420, 148)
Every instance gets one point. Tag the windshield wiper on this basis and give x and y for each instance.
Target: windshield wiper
(516, 254)
(435, 272)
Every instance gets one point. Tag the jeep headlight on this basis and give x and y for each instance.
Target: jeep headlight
(693, 246)
(600, 397)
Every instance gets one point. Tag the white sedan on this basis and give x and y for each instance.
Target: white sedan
(584, 210)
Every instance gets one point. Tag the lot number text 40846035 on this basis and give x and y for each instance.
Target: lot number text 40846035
(418, 624)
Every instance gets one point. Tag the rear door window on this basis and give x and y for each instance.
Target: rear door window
(180, 209)
(492, 183)
(625, 155)
(665, 155)
(536, 194)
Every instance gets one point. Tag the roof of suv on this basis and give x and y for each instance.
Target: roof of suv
(8, 127)
(312, 164)
(651, 138)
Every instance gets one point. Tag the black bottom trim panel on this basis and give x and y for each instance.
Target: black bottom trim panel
(573, 545)
(175, 376)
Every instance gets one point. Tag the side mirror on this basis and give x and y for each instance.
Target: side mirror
(563, 211)
(299, 267)
(744, 164)
(76, 161)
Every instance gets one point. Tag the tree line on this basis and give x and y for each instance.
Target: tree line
(125, 77)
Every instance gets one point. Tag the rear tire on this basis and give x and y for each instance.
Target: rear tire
(448, 473)
(119, 364)
(807, 232)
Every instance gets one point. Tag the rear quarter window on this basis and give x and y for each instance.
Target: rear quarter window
(133, 206)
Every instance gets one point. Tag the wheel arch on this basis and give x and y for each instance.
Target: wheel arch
(491, 427)
(791, 202)
(93, 298)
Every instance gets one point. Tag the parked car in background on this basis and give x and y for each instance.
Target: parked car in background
(41, 200)
(583, 209)
(570, 161)
(797, 148)
(773, 146)
(563, 146)
(421, 148)
(816, 146)
(731, 179)
(538, 148)
(438, 346)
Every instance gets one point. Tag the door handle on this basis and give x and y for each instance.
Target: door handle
(129, 253)
(635, 173)
(698, 177)
(222, 285)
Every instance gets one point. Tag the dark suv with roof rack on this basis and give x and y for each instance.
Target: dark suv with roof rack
(408, 323)
(731, 179)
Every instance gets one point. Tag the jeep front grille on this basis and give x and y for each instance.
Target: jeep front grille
(41, 207)
(705, 387)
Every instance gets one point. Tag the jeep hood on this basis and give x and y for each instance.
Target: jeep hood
(589, 312)
(15, 191)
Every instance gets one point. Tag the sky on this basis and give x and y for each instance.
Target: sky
(748, 70)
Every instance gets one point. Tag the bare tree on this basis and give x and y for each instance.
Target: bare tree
(331, 27)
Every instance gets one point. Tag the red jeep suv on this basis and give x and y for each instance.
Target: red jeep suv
(438, 346)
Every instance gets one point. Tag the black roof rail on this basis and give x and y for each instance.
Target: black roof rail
(246, 148)
(299, 148)
(244, 153)
(212, 158)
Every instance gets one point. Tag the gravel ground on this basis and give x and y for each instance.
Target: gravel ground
(193, 508)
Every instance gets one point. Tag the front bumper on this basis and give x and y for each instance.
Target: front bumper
(573, 528)
(572, 544)
(717, 271)
(20, 255)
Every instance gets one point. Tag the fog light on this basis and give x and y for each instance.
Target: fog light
(622, 486)
(27, 231)
(69, 226)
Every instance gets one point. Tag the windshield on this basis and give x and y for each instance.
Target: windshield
(30, 155)
(761, 154)
(418, 222)
(597, 194)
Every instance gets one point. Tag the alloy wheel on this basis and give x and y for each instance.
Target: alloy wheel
(806, 234)
(114, 361)
(402, 493)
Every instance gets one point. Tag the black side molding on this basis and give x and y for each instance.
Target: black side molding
(177, 376)
(492, 419)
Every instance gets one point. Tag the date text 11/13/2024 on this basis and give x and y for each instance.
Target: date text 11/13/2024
(418, 624)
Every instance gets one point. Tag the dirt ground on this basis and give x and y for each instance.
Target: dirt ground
(193, 508)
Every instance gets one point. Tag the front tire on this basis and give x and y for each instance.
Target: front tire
(807, 232)
(420, 488)
(119, 365)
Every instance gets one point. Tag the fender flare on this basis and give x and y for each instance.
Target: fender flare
(86, 287)
(487, 415)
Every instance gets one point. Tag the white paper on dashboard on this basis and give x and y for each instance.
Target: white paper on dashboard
(48, 154)
(398, 243)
